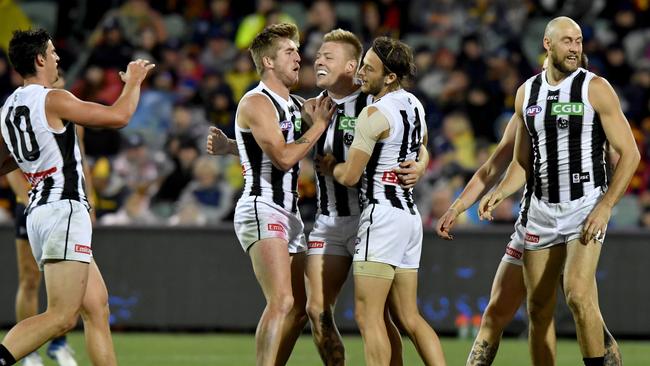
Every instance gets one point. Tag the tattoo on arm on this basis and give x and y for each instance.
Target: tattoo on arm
(482, 354)
(302, 140)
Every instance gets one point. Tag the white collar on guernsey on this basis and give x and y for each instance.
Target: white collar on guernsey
(347, 98)
(276, 95)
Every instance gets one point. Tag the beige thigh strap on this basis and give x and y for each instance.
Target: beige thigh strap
(373, 269)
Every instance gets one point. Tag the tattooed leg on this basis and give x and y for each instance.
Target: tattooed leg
(482, 353)
(331, 347)
(612, 352)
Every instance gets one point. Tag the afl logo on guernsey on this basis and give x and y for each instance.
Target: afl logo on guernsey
(286, 125)
(533, 110)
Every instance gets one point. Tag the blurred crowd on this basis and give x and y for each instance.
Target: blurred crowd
(471, 56)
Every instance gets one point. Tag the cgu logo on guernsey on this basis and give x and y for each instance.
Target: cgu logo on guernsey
(567, 109)
(533, 110)
(347, 123)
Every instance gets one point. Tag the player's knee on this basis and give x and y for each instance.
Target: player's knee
(409, 323)
(29, 281)
(539, 310)
(578, 299)
(64, 322)
(496, 316)
(281, 305)
(96, 309)
(315, 310)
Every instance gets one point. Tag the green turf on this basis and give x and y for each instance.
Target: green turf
(161, 349)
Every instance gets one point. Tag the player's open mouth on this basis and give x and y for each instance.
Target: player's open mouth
(321, 73)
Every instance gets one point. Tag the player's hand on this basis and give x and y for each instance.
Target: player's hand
(320, 110)
(596, 223)
(136, 71)
(325, 164)
(488, 203)
(446, 222)
(217, 142)
(409, 173)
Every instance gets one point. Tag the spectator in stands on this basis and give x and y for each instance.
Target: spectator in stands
(112, 50)
(207, 199)
(252, 24)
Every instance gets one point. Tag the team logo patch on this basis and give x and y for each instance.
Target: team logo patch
(348, 138)
(286, 125)
(316, 244)
(83, 249)
(297, 125)
(389, 178)
(533, 110)
(562, 123)
(580, 177)
(567, 109)
(532, 238)
(276, 227)
(347, 123)
(514, 252)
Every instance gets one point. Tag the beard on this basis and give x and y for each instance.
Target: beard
(371, 88)
(559, 63)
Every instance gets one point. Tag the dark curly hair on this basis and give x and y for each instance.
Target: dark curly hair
(396, 56)
(24, 47)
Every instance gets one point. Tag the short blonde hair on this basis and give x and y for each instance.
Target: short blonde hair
(265, 43)
(346, 37)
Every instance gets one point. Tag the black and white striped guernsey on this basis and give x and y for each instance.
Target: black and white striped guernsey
(405, 115)
(335, 199)
(261, 177)
(50, 160)
(567, 137)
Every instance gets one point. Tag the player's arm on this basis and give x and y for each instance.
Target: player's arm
(257, 113)
(8, 162)
(88, 178)
(410, 171)
(371, 126)
(605, 102)
(19, 185)
(482, 181)
(519, 168)
(62, 105)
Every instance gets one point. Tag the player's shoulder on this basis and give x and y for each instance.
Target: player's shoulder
(253, 105)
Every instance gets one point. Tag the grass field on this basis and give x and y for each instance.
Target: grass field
(161, 349)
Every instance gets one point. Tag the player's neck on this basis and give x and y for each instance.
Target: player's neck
(555, 76)
(37, 80)
(388, 89)
(276, 85)
(342, 90)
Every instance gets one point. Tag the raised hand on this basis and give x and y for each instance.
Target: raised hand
(136, 71)
(320, 110)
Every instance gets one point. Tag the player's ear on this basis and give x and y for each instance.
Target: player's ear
(390, 78)
(547, 43)
(351, 67)
(40, 60)
(267, 62)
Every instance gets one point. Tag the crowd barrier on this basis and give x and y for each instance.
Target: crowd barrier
(200, 279)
